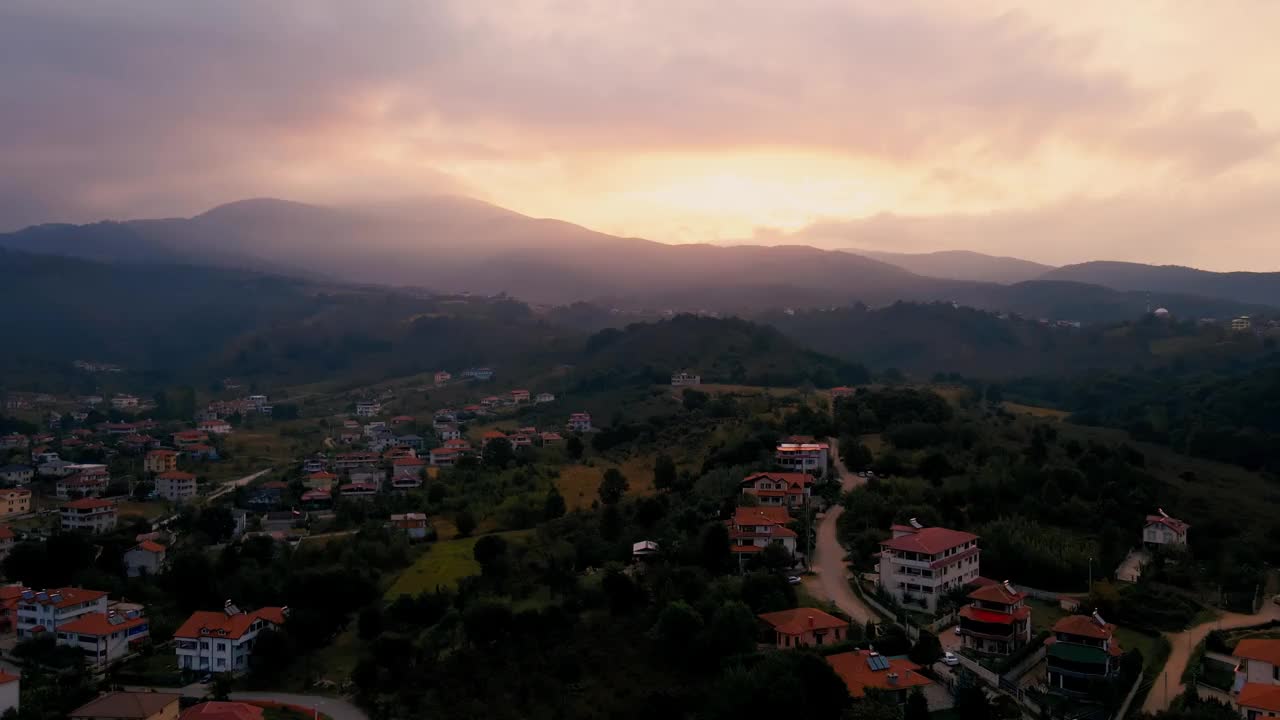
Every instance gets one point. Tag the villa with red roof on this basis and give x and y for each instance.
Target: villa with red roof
(520, 396)
(997, 621)
(918, 565)
(145, 558)
(752, 529)
(1082, 651)
(490, 436)
(1162, 530)
(791, 489)
(217, 427)
(1257, 681)
(223, 641)
(320, 480)
(48, 610)
(105, 637)
(218, 710)
(863, 670)
(805, 627)
(88, 514)
(189, 437)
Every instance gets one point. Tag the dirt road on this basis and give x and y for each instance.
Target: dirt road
(832, 579)
(1168, 684)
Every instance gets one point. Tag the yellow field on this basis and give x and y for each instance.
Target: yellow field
(580, 485)
(442, 565)
(1040, 412)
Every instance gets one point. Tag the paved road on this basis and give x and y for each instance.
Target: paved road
(832, 579)
(1168, 684)
(231, 486)
(334, 708)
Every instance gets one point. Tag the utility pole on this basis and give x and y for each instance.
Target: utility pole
(1089, 589)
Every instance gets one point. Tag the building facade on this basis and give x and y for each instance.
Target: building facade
(997, 620)
(223, 641)
(177, 486)
(89, 515)
(919, 565)
(802, 456)
(1082, 651)
(48, 610)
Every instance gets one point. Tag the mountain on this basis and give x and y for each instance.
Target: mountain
(962, 265)
(1245, 287)
(454, 245)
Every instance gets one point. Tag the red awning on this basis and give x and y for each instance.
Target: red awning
(986, 616)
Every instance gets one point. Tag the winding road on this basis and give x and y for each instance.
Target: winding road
(831, 581)
(1168, 684)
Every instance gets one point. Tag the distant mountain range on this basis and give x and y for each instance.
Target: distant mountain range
(453, 244)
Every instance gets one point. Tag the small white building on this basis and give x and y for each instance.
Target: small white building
(544, 397)
(1241, 323)
(144, 559)
(1162, 530)
(802, 456)
(223, 641)
(176, 486)
(88, 515)
(579, 422)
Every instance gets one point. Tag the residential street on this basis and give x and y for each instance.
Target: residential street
(1183, 643)
(231, 486)
(832, 579)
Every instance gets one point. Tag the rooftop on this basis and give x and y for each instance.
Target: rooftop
(101, 624)
(126, 705)
(222, 711)
(1085, 626)
(204, 623)
(797, 621)
(856, 669)
(997, 593)
(1262, 696)
(929, 541)
(1264, 650)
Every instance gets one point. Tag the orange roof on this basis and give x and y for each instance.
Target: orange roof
(6, 532)
(99, 624)
(929, 541)
(6, 678)
(204, 623)
(151, 547)
(409, 461)
(1267, 651)
(1177, 526)
(761, 516)
(1084, 626)
(996, 593)
(69, 596)
(1263, 696)
(790, 478)
(11, 592)
(177, 475)
(222, 711)
(800, 620)
(17, 491)
(853, 668)
(88, 504)
(494, 435)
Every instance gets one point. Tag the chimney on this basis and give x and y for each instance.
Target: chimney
(810, 622)
(1009, 587)
(893, 678)
(1098, 619)
(1163, 514)
(915, 524)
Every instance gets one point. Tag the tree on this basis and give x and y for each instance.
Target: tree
(854, 454)
(573, 447)
(490, 551)
(874, 705)
(613, 486)
(972, 704)
(732, 630)
(694, 399)
(554, 506)
(927, 649)
(917, 706)
(497, 453)
(775, 557)
(216, 523)
(664, 472)
(677, 623)
(370, 623)
(714, 552)
(465, 522)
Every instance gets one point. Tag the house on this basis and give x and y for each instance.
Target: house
(158, 461)
(482, 373)
(1241, 323)
(1162, 530)
(367, 475)
(445, 456)
(682, 379)
(839, 393)
(520, 396)
(215, 427)
(10, 692)
(282, 520)
(490, 436)
(124, 402)
(490, 402)
(347, 461)
(130, 706)
(46, 611)
(54, 466)
(314, 464)
(863, 670)
(408, 467)
(406, 482)
(444, 415)
(10, 596)
(17, 474)
(413, 442)
(551, 438)
(1258, 662)
(88, 514)
(13, 441)
(320, 480)
(201, 451)
(123, 428)
(806, 627)
(919, 565)
(1257, 700)
(644, 549)
(107, 637)
(448, 431)
(521, 440)
(544, 397)
(317, 499)
(1082, 651)
(442, 377)
(579, 422)
(358, 490)
(184, 438)
(791, 489)
(81, 485)
(176, 486)
(217, 710)
(399, 420)
(144, 559)
(7, 539)
(368, 408)
(15, 501)
(802, 456)
(413, 524)
(223, 641)
(752, 529)
(997, 621)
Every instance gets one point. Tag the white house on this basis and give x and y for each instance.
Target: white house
(448, 431)
(145, 558)
(176, 486)
(46, 611)
(214, 427)
(1161, 529)
(753, 529)
(413, 524)
(788, 488)
(579, 422)
(223, 641)
(368, 408)
(1257, 681)
(124, 402)
(89, 514)
(544, 397)
(920, 564)
(105, 637)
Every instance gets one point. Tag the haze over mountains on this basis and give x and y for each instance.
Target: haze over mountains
(456, 244)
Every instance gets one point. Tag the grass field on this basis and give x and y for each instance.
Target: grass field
(1044, 614)
(580, 484)
(148, 510)
(1036, 411)
(442, 565)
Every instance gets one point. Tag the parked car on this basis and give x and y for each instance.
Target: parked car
(949, 658)
(793, 580)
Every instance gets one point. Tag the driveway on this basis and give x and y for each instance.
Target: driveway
(832, 579)
(334, 708)
(1168, 684)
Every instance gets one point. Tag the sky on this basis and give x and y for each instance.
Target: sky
(1056, 132)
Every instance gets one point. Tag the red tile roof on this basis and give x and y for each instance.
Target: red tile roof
(126, 705)
(99, 624)
(1084, 626)
(798, 621)
(6, 532)
(997, 593)
(790, 478)
(69, 596)
(852, 667)
(929, 541)
(761, 516)
(222, 711)
(177, 475)
(151, 547)
(1267, 651)
(1263, 696)
(322, 475)
(205, 623)
(6, 678)
(407, 461)
(1177, 526)
(991, 616)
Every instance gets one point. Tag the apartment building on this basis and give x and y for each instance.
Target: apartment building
(15, 501)
(107, 637)
(177, 486)
(48, 610)
(89, 515)
(918, 565)
(802, 456)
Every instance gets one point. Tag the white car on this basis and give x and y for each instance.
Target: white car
(957, 629)
(949, 658)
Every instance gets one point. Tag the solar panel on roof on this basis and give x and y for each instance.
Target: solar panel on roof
(878, 662)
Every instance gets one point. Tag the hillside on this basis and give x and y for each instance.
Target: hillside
(451, 244)
(1244, 287)
(962, 265)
